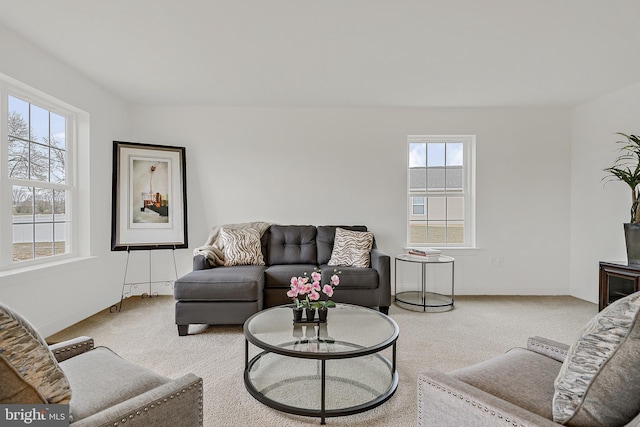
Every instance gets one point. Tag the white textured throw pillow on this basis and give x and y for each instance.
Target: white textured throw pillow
(24, 351)
(351, 248)
(598, 382)
(242, 246)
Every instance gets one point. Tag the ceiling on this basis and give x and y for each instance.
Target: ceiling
(378, 53)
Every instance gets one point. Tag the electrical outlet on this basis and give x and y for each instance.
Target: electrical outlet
(497, 261)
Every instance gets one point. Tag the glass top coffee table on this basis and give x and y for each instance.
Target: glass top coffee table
(321, 369)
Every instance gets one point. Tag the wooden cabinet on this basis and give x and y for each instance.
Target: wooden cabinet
(617, 280)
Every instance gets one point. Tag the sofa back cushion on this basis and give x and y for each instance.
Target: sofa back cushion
(326, 238)
(292, 244)
(598, 382)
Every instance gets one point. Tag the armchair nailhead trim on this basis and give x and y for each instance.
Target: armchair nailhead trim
(196, 388)
(466, 399)
(75, 346)
(548, 347)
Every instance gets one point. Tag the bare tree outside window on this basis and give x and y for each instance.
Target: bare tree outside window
(36, 167)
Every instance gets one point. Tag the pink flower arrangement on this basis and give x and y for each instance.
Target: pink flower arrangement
(310, 289)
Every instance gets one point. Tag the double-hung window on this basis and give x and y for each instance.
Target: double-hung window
(440, 187)
(37, 181)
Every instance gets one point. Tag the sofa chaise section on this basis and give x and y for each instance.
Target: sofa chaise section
(220, 296)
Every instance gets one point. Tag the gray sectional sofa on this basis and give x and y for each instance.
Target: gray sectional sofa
(215, 295)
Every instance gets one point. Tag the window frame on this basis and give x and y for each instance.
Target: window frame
(34, 97)
(468, 191)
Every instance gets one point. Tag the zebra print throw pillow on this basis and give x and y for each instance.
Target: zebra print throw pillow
(26, 353)
(241, 246)
(351, 248)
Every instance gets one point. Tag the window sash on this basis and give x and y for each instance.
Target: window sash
(59, 227)
(444, 228)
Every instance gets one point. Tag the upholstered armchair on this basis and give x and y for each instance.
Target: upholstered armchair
(100, 387)
(593, 382)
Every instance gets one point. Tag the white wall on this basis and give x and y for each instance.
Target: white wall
(598, 211)
(305, 166)
(55, 297)
(348, 166)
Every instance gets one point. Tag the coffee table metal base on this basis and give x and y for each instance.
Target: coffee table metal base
(318, 387)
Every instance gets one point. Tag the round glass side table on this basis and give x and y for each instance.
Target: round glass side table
(423, 298)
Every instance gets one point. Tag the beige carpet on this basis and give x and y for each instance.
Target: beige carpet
(478, 328)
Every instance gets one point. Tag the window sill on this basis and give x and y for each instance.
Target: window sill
(40, 266)
(459, 250)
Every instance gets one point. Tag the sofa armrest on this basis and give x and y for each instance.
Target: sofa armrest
(67, 349)
(200, 262)
(550, 348)
(446, 401)
(381, 262)
(176, 403)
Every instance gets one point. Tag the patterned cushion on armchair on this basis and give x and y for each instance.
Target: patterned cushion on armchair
(599, 382)
(29, 372)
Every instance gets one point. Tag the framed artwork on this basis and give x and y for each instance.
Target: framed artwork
(149, 197)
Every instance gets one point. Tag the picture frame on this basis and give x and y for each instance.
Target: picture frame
(149, 197)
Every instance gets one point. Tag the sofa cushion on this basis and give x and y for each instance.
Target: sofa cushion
(326, 236)
(351, 277)
(598, 383)
(279, 276)
(292, 244)
(521, 377)
(99, 389)
(351, 248)
(238, 283)
(23, 352)
(241, 246)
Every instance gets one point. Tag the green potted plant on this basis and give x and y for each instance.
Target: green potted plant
(626, 168)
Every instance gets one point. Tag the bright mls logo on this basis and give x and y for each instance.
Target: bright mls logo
(34, 415)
